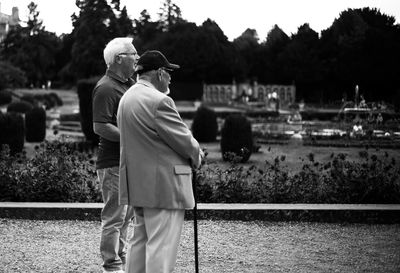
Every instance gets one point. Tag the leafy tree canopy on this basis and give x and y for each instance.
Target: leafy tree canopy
(32, 49)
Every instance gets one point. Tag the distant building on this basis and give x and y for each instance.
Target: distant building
(255, 94)
(7, 22)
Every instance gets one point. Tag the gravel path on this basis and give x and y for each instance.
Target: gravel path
(225, 246)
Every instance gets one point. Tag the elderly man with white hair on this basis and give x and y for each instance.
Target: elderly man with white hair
(120, 57)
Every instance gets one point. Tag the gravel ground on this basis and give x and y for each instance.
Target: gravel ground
(224, 246)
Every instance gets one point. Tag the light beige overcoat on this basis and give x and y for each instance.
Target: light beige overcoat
(156, 150)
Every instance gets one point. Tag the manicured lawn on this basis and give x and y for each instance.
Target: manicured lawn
(295, 154)
(69, 98)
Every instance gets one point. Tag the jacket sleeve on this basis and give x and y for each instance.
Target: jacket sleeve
(175, 133)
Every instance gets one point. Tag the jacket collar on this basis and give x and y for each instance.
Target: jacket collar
(116, 77)
(146, 83)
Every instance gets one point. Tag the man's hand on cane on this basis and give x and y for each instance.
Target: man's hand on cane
(203, 155)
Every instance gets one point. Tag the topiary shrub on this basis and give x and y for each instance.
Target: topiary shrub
(236, 138)
(56, 98)
(85, 89)
(35, 125)
(30, 99)
(12, 132)
(70, 117)
(19, 107)
(205, 126)
(5, 97)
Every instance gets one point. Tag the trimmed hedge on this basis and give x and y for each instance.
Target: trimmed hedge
(35, 124)
(5, 97)
(70, 117)
(205, 126)
(20, 107)
(236, 138)
(49, 100)
(12, 132)
(85, 89)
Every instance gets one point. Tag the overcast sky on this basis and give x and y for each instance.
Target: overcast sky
(232, 16)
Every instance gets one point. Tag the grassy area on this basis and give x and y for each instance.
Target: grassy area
(296, 155)
(224, 246)
(293, 153)
(69, 98)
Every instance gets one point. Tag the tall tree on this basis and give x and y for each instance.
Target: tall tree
(65, 72)
(267, 65)
(247, 45)
(220, 55)
(169, 14)
(124, 23)
(301, 63)
(35, 25)
(32, 49)
(94, 26)
(145, 31)
(361, 48)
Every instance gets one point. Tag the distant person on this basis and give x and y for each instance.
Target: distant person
(294, 117)
(363, 104)
(158, 182)
(379, 119)
(370, 118)
(357, 129)
(120, 57)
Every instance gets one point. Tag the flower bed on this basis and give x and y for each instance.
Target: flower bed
(59, 172)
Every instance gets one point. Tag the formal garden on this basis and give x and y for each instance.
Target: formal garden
(325, 148)
(51, 152)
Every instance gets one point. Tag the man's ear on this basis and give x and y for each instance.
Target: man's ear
(117, 59)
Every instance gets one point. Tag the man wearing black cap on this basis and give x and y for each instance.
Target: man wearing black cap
(157, 154)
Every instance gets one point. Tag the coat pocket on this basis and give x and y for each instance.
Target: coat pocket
(184, 183)
(182, 169)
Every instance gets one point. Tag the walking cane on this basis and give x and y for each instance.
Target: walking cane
(196, 244)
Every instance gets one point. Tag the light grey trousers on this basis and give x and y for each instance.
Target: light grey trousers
(115, 220)
(154, 245)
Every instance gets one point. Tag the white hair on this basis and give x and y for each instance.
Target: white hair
(115, 47)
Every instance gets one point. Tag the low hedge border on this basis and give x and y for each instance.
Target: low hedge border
(377, 143)
(92, 213)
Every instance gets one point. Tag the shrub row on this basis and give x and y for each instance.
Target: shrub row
(374, 180)
(12, 131)
(48, 100)
(55, 174)
(236, 133)
(20, 107)
(5, 97)
(15, 129)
